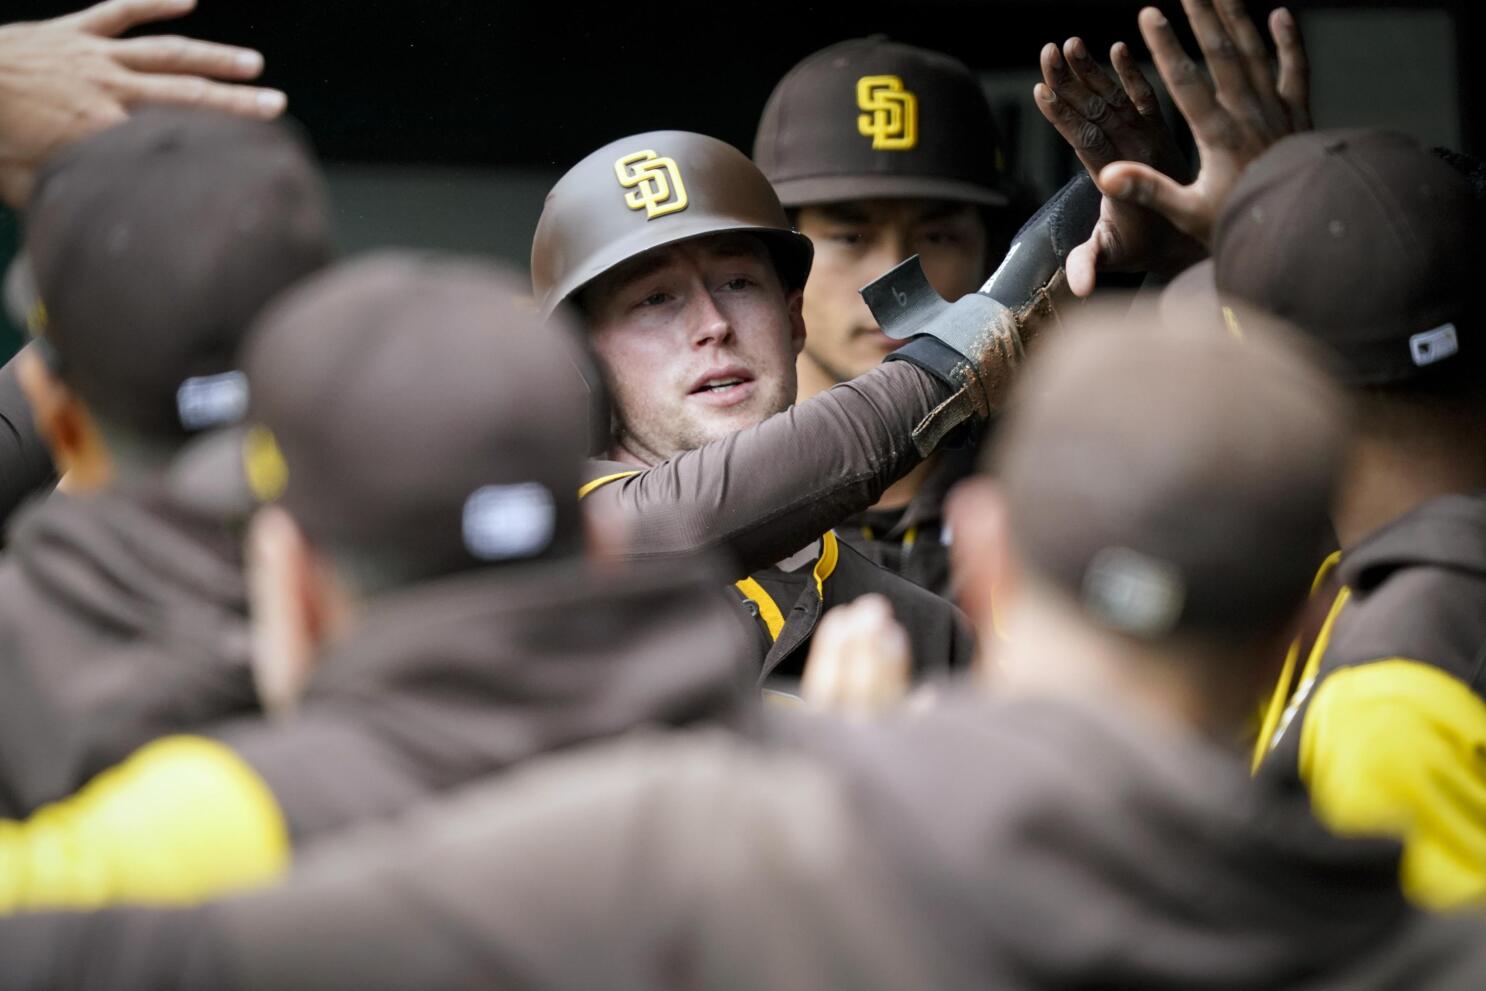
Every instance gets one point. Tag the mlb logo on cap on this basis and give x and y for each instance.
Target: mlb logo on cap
(1434, 345)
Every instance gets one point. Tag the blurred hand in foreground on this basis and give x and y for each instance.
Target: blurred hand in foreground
(70, 76)
(859, 660)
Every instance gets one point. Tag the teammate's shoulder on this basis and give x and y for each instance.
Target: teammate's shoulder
(1425, 612)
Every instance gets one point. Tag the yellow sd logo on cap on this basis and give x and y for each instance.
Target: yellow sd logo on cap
(657, 185)
(890, 113)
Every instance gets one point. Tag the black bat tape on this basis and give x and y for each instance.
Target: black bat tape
(1041, 247)
(905, 304)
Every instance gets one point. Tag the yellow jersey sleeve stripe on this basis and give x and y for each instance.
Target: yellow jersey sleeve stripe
(768, 609)
(1398, 748)
(182, 819)
(598, 483)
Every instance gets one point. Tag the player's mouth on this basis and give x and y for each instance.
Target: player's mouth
(723, 387)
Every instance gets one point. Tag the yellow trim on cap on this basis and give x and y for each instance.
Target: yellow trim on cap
(598, 483)
(182, 819)
(263, 464)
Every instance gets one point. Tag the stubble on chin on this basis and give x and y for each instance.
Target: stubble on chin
(685, 430)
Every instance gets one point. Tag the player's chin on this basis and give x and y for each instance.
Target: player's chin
(715, 424)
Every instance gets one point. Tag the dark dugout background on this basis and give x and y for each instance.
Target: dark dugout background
(443, 123)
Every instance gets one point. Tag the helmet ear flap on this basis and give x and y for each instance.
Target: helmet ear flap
(585, 361)
(600, 410)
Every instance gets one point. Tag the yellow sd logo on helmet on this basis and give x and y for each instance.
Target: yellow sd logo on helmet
(890, 116)
(656, 183)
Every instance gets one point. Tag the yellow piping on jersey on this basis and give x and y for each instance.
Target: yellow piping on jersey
(829, 553)
(598, 483)
(1284, 702)
(768, 609)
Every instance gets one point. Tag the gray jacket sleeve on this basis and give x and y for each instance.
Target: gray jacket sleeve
(135, 949)
(763, 493)
(643, 864)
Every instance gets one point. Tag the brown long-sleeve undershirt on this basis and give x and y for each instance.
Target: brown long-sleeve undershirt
(763, 493)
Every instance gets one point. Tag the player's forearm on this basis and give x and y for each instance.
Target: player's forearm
(763, 493)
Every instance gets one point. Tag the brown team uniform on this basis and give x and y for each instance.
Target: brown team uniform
(1110, 853)
(764, 493)
(914, 541)
(1383, 716)
(122, 617)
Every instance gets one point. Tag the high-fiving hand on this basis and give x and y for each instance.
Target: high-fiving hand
(1150, 221)
(69, 76)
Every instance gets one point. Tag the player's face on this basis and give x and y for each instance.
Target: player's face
(858, 240)
(698, 340)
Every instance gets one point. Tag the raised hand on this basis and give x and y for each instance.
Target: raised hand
(859, 660)
(69, 76)
(1235, 117)
(1109, 118)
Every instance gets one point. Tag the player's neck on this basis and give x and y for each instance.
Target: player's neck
(813, 379)
(1050, 651)
(1384, 484)
(901, 492)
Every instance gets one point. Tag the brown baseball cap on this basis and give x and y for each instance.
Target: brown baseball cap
(1188, 490)
(153, 244)
(651, 190)
(874, 118)
(413, 409)
(1367, 243)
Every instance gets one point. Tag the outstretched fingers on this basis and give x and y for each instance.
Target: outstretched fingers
(1190, 91)
(113, 17)
(174, 54)
(1137, 87)
(1294, 85)
(193, 91)
(1255, 58)
(1064, 100)
(1101, 86)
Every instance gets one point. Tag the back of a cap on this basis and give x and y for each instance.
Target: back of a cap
(1366, 243)
(425, 415)
(154, 244)
(1173, 478)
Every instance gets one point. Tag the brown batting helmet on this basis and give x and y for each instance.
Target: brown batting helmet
(650, 190)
